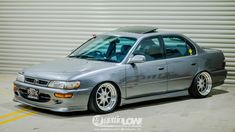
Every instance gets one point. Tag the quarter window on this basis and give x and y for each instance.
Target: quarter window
(177, 47)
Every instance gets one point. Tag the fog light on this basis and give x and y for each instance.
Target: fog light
(63, 95)
(57, 101)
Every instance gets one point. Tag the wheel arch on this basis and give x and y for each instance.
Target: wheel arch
(198, 72)
(115, 85)
(192, 89)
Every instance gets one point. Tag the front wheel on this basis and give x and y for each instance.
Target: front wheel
(104, 98)
(202, 85)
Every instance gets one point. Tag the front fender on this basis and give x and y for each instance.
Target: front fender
(114, 74)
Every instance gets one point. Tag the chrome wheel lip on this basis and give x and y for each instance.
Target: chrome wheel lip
(106, 97)
(204, 83)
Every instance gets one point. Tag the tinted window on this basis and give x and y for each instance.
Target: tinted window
(150, 48)
(105, 48)
(177, 47)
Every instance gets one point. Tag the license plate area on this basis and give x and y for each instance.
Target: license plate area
(33, 93)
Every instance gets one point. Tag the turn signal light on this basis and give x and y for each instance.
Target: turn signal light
(14, 88)
(63, 95)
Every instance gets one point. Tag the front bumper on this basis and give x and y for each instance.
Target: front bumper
(78, 102)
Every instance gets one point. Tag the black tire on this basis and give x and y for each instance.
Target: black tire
(95, 99)
(201, 86)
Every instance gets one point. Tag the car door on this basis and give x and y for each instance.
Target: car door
(181, 62)
(150, 77)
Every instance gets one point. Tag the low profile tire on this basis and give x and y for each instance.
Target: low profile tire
(104, 98)
(202, 85)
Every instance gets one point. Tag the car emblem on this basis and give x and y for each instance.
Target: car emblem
(35, 81)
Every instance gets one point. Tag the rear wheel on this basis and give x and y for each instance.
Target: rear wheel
(202, 85)
(104, 98)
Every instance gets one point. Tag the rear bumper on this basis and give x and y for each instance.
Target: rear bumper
(78, 102)
(218, 77)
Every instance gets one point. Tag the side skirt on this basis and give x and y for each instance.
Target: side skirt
(154, 97)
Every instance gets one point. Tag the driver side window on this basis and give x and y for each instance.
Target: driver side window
(150, 48)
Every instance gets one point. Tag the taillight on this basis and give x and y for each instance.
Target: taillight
(224, 64)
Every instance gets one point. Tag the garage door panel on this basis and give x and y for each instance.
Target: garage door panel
(42, 30)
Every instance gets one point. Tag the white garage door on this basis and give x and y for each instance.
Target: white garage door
(33, 31)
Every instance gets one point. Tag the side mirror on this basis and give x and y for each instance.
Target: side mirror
(136, 59)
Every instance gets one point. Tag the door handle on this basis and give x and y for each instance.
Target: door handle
(160, 68)
(193, 64)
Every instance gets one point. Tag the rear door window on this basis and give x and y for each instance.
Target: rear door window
(177, 47)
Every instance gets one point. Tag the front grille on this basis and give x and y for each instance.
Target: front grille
(41, 98)
(36, 81)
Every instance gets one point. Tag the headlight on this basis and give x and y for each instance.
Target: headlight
(20, 78)
(64, 85)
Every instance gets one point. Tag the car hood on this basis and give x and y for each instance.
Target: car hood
(66, 68)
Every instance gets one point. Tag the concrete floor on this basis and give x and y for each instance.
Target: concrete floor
(182, 114)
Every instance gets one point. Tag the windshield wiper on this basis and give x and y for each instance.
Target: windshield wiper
(93, 58)
(82, 56)
(72, 56)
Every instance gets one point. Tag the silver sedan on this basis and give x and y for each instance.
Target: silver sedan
(127, 65)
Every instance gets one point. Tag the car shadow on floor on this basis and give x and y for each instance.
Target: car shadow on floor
(167, 100)
(125, 107)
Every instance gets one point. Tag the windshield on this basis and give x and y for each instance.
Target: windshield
(105, 48)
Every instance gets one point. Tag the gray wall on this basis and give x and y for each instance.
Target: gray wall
(34, 31)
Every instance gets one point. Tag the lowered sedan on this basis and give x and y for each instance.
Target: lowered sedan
(127, 65)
